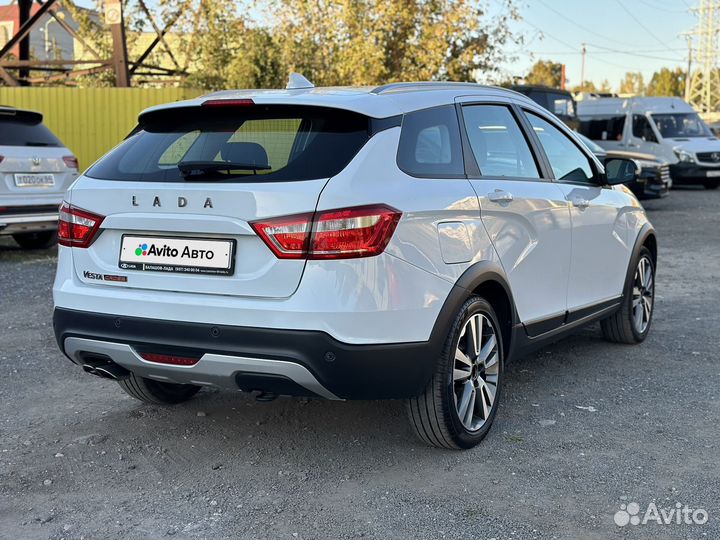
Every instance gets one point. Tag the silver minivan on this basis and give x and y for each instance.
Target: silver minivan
(665, 127)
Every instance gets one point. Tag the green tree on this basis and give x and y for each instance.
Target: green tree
(376, 41)
(585, 86)
(605, 86)
(632, 83)
(545, 73)
(667, 82)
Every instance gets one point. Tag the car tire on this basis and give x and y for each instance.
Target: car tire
(631, 323)
(711, 184)
(36, 240)
(156, 392)
(460, 402)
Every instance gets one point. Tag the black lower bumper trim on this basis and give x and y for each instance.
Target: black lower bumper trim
(689, 173)
(348, 371)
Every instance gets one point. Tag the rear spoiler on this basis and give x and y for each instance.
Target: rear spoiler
(27, 117)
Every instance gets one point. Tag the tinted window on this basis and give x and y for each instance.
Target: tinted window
(17, 130)
(603, 128)
(259, 143)
(566, 159)
(430, 143)
(561, 104)
(497, 142)
(681, 125)
(641, 128)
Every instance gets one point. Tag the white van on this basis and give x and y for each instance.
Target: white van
(666, 127)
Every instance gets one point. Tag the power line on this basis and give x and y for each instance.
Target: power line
(574, 22)
(640, 24)
(636, 53)
(662, 8)
(551, 36)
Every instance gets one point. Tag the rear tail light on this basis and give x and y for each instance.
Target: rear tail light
(77, 227)
(71, 162)
(1, 158)
(170, 359)
(362, 231)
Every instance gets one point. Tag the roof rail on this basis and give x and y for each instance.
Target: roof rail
(426, 85)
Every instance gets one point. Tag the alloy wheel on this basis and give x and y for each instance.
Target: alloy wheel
(476, 371)
(643, 295)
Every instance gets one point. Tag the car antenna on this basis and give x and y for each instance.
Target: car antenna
(298, 81)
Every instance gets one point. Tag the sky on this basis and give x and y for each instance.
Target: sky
(620, 36)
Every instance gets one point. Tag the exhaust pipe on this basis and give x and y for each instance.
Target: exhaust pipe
(106, 369)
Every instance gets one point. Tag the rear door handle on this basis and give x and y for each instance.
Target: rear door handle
(581, 203)
(500, 196)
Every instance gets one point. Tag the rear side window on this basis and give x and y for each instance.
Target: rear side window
(497, 142)
(430, 144)
(257, 143)
(603, 128)
(25, 130)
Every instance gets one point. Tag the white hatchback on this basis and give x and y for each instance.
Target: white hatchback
(35, 171)
(350, 243)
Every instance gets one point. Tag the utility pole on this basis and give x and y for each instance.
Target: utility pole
(24, 12)
(582, 69)
(115, 20)
(703, 91)
(688, 73)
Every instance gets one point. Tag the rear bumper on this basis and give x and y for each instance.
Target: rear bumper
(234, 356)
(30, 222)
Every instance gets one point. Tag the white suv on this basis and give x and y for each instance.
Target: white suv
(35, 171)
(351, 243)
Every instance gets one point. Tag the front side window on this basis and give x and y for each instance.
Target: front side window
(681, 125)
(568, 162)
(641, 128)
(603, 128)
(430, 143)
(497, 142)
(258, 143)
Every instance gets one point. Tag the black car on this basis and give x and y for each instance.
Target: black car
(653, 177)
(559, 102)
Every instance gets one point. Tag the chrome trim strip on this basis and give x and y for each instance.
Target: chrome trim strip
(211, 370)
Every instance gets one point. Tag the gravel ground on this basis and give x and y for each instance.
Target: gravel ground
(584, 427)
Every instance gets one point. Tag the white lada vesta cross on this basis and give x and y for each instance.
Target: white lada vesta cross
(350, 243)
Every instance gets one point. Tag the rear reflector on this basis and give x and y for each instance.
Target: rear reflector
(348, 233)
(71, 162)
(169, 359)
(228, 103)
(77, 227)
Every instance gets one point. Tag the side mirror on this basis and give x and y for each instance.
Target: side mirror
(620, 171)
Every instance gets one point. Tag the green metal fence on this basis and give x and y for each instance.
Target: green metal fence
(90, 121)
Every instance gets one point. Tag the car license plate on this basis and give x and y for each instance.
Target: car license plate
(713, 174)
(34, 180)
(176, 254)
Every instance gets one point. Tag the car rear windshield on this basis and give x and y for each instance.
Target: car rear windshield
(25, 129)
(257, 143)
